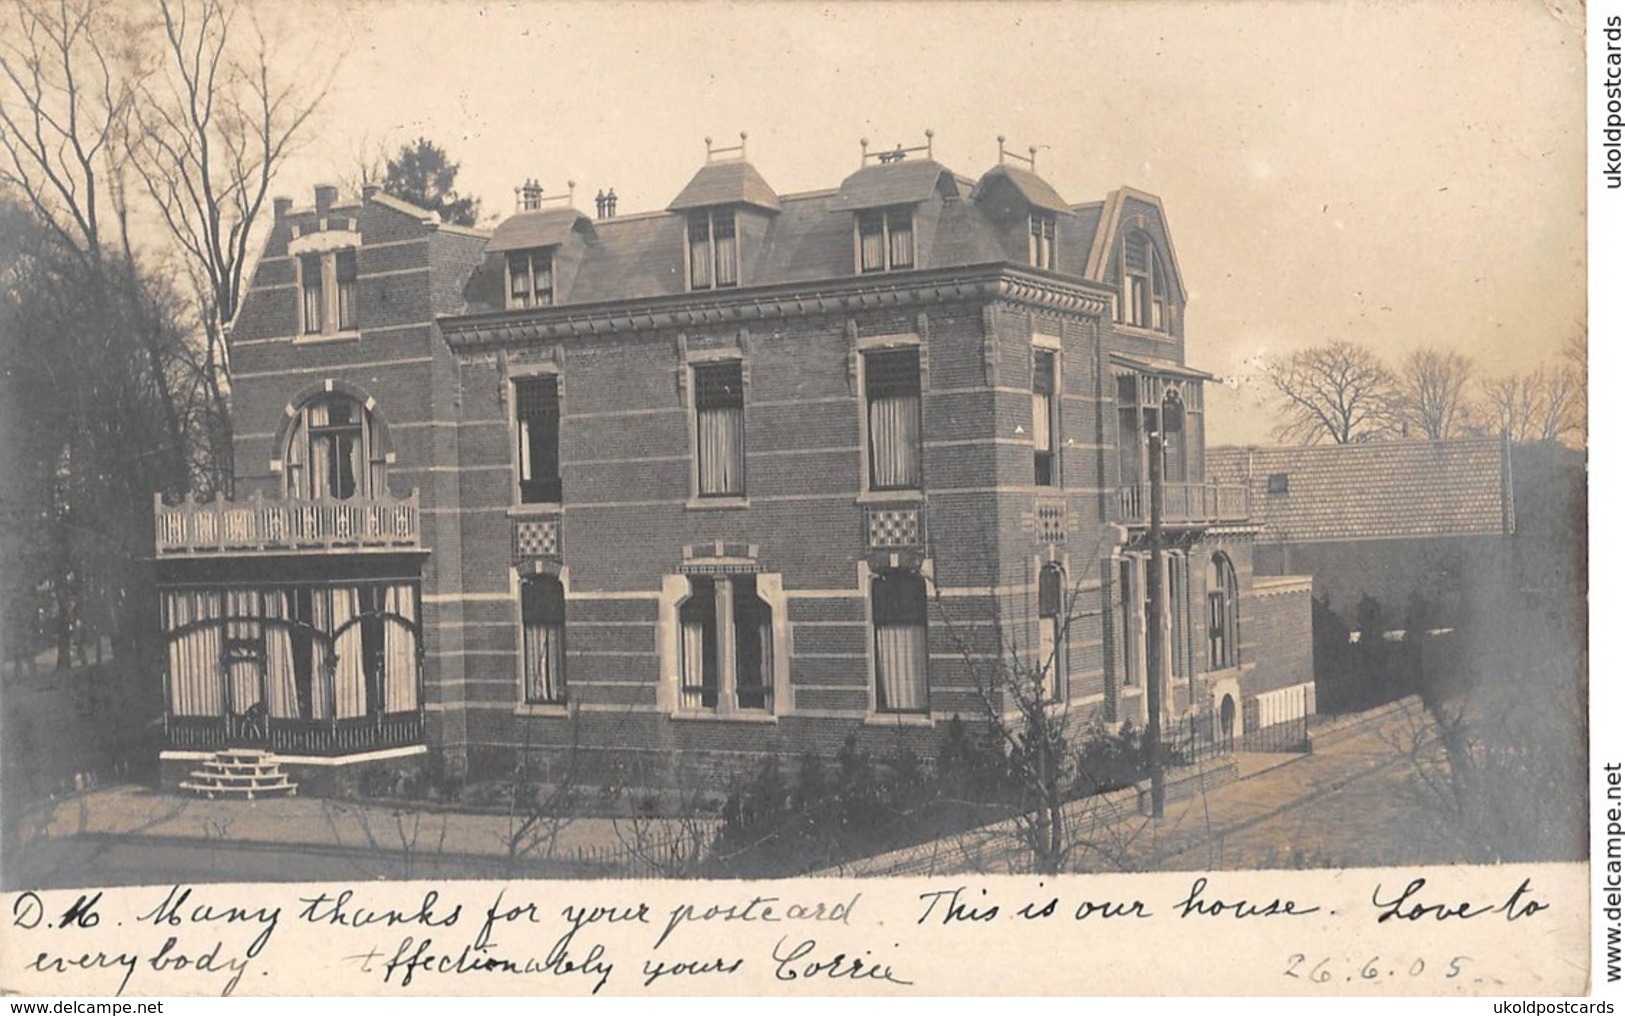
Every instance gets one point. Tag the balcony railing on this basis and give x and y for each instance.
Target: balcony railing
(1185, 503)
(297, 736)
(214, 527)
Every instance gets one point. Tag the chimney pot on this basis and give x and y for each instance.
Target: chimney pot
(609, 202)
(326, 194)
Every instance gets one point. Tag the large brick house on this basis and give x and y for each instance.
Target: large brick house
(749, 474)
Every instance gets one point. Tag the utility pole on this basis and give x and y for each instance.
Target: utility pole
(1153, 593)
(1170, 416)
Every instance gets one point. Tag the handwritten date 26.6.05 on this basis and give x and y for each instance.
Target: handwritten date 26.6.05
(1331, 970)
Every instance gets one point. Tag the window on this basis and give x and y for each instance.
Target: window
(713, 250)
(1046, 419)
(333, 451)
(536, 412)
(892, 389)
(310, 284)
(725, 611)
(1052, 675)
(541, 604)
(1041, 240)
(1140, 404)
(1278, 483)
(530, 278)
(1223, 617)
(328, 298)
(719, 429)
(344, 272)
(1145, 285)
(897, 599)
(1132, 600)
(886, 240)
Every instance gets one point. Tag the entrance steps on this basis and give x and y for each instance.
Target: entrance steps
(241, 773)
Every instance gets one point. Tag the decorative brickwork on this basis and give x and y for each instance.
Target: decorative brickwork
(533, 538)
(1051, 521)
(891, 528)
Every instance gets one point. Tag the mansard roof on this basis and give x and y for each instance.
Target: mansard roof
(547, 228)
(726, 183)
(1034, 189)
(903, 182)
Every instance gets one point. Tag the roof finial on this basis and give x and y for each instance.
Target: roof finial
(712, 152)
(1031, 158)
(897, 153)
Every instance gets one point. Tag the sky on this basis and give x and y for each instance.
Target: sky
(1399, 174)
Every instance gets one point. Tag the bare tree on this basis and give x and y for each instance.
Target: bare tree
(1434, 386)
(64, 109)
(1340, 391)
(213, 123)
(1543, 404)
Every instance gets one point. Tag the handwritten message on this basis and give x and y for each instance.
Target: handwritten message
(1439, 930)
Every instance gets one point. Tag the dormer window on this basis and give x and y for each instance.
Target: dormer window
(1145, 284)
(885, 239)
(1041, 240)
(713, 250)
(530, 278)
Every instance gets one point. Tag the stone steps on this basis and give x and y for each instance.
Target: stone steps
(240, 773)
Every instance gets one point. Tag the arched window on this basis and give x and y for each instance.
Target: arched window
(542, 607)
(333, 451)
(898, 602)
(1145, 284)
(1223, 615)
(1052, 633)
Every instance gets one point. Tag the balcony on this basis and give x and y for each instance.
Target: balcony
(194, 528)
(1185, 504)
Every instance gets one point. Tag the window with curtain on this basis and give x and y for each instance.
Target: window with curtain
(541, 600)
(885, 239)
(1223, 614)
(536, 418)
(530, 278)
(1132, 603)
(699, 680)
(725, 611)
(1041, 240)
(333, 451)
(345, 274)
(1046, 419)
(1051, 634)
(719, 429)
(898, 604)
(713, 249)
(310, 286)
(892, 390)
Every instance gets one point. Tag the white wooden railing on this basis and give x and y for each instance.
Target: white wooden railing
(217, 526)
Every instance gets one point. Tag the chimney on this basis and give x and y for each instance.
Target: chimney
(369, 191)
(609, 203)
(600, 202)
(528, 196)
(280, 207)
(326, 194)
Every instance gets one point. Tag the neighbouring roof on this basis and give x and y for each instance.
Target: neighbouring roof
(726, 183)
(1379, 490)
(897, 183)
(547, 228)
(1034, 189)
